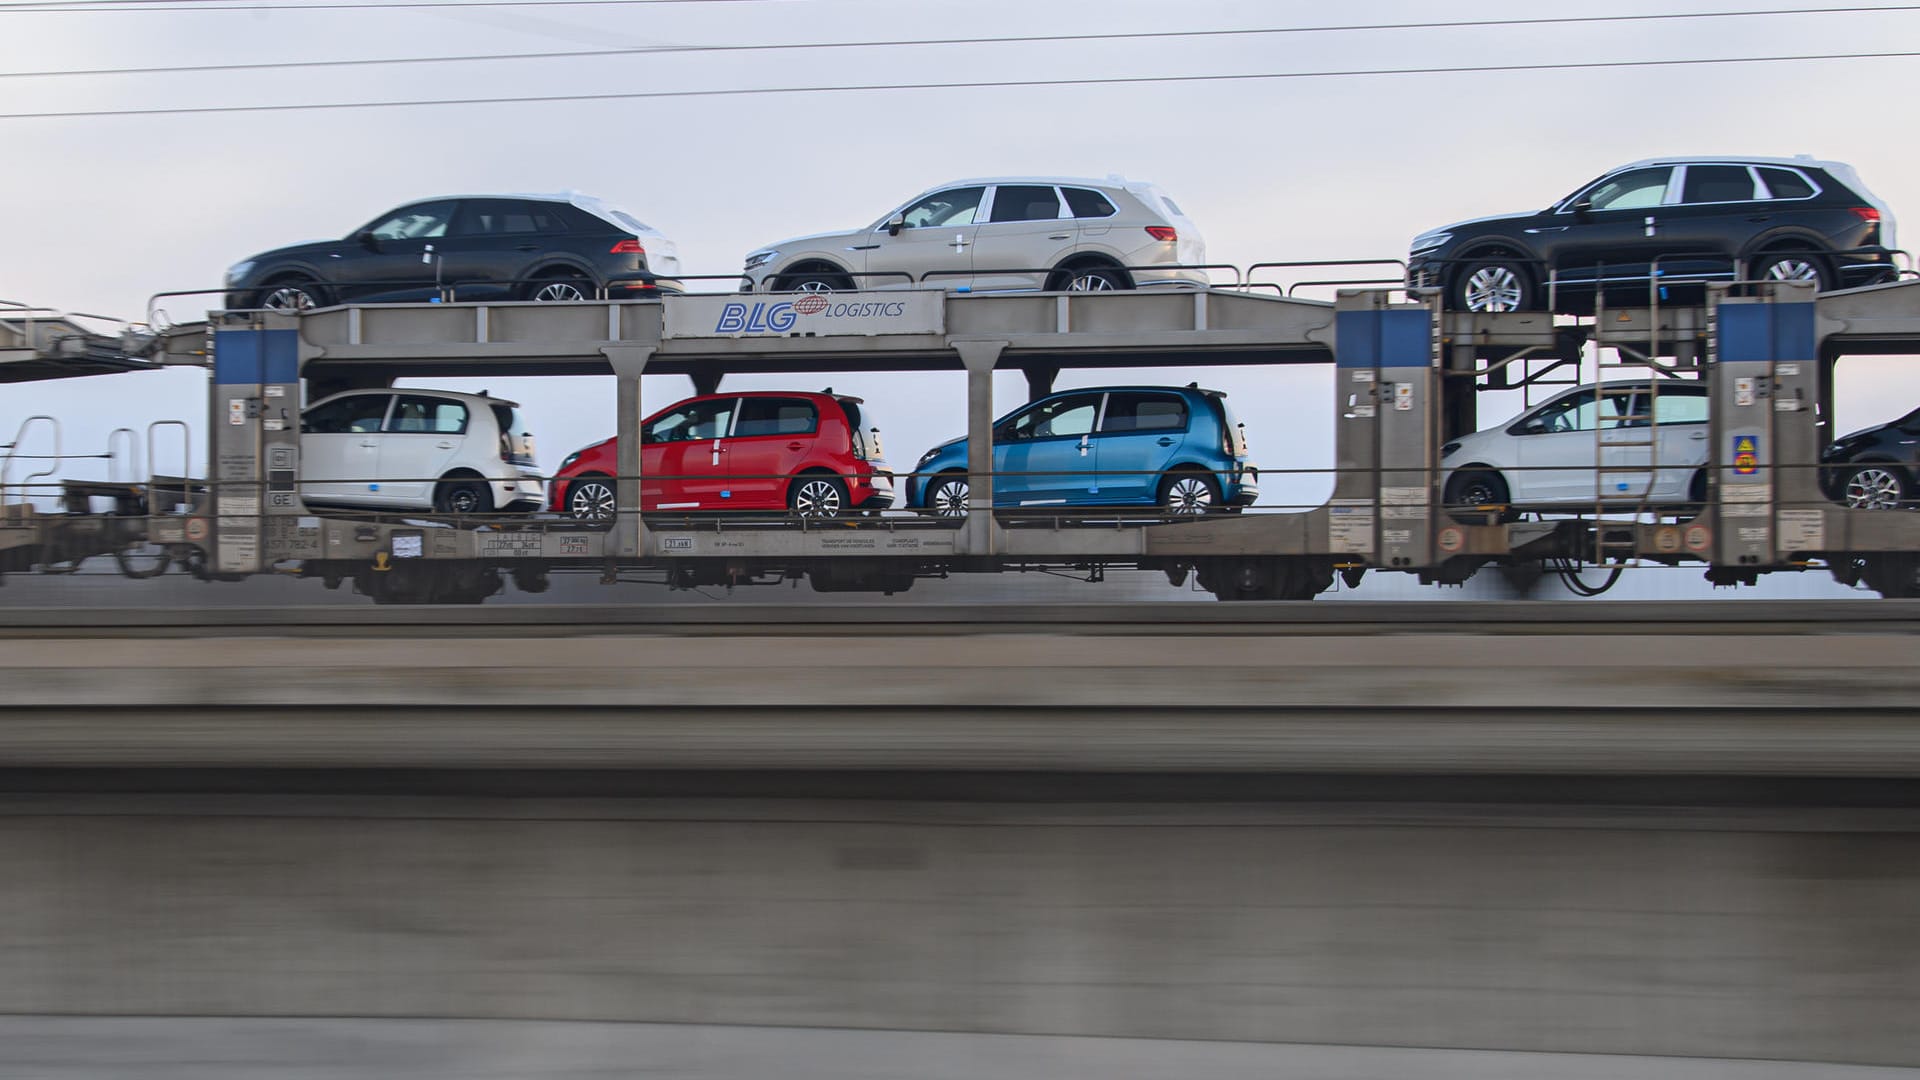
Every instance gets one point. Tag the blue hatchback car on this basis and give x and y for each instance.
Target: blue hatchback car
(1178, 448)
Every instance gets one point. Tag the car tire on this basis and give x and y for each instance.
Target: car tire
(1477, 487)
(1792, 266)
(289, 294)
(1188, 494)
(1495, 283)
(1875, 485)
(564, 287)
(1089, 279)
(815, 281)
(463, 495)
(817, 495)
(947, 497)
(592, 497)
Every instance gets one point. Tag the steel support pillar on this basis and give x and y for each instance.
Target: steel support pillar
(629, 539)
(979, 358)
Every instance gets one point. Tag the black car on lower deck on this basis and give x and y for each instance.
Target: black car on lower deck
(467, 247)
(1665, 224)
(1874, 469)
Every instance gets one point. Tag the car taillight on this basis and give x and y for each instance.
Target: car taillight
(1163, 232)
(628, 247)
(1867, 214)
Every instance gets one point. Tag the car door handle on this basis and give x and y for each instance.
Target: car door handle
(1166, 442)
(369, 444)
(527, 247)
(1698, 435)
(796, 446)
(1758, 218)
(1061, 236)
(444, 445)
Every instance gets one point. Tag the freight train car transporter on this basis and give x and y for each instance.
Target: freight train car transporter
(1407, 378)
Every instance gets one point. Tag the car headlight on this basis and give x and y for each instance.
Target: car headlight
(1448, 450)
(761, 258)
(926, 457)
(239, 270)
(1428, 241)
(570, 459)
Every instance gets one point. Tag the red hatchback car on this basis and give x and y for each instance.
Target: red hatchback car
(812, 455)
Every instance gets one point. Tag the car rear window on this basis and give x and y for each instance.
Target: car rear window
(776, 416)
(1786, 184)
(1717, 184)
(1130, 411)
(626, 220)
(1086, 203)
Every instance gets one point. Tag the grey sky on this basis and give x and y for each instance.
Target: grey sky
(101, 213)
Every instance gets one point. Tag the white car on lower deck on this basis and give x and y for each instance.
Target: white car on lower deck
(1617, 441)
(997, 235)
(407, 449)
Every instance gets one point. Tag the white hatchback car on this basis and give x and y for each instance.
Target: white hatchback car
(406, 449)
(1011, 233)
(1627, 441)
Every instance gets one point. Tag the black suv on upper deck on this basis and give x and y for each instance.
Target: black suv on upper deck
(1666, 221)
(468, 247)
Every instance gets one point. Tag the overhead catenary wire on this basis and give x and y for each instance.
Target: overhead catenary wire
(175, 69)
(973, 84)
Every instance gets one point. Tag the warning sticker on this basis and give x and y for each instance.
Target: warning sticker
(1746, 455)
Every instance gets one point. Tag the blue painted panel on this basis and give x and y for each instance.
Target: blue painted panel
(1764, 332)
(1398, 338)
(252, 357)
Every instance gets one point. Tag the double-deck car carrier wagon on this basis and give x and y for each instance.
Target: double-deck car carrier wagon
(1408, 375)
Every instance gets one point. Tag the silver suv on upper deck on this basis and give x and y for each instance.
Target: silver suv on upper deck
(1000, 234)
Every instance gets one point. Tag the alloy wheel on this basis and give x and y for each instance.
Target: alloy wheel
(950, 498)
(564, 289)
(1494, 289)
(1189, 495)
(591, 500)
(1792, 268)
(288, 298)
(1091, 281)
(817, 497)
(1874, 488)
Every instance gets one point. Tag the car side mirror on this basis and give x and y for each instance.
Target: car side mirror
(895, 224)
(1583, 209)
(367, 239)
(1535, 426)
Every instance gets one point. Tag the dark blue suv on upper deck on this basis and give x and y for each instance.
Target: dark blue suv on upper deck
(1654, 228)
(1178, 448)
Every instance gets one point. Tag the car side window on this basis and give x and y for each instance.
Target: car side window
(1575, 413)
(691, 423)
(1134, 412)
(1059, 417)
(359, 413)
(1025, 202)
(1672, 406)
(956, 206)
(427, 416)
(1717, 184)
(1633, 190)
(422, 221)
(505, 217)
(1087, 203)
(776, 416)
(1786, 184)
